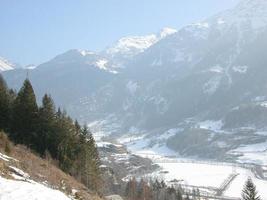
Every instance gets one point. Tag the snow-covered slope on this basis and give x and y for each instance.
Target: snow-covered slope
(15, 189)
(131, 46)
(19, 184)
(5, 65)
(128, 47)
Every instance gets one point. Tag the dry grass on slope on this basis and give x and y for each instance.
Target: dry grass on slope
(40, 170)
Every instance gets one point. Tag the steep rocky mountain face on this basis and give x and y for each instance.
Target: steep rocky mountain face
(207, 81)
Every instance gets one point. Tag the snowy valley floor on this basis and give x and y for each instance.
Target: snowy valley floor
(209, 176)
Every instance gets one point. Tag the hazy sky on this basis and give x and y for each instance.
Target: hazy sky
(33, 31)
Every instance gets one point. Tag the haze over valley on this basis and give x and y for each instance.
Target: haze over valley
(185, 105)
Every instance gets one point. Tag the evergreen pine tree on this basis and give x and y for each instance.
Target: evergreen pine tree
(249, 192)
(171, 193)
(163, 184)
(179, 194)
(46, 127)
(66, 142)
(4, 105)
(156, 189)
(133, 186)
(146, 191)
(140, 189)
(77, 128)
(24, 116)
(93, 163)
(127, 189)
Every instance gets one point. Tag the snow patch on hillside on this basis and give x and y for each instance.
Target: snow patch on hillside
(253, 147)
(259, 98)
(145, 149)
(105, 127)
(217, 69)
(169, 133)
(254, 153)
(211, 125)
(103, 65)
(264, 104)
(212, 85)
(132, 87)
(13, 190)
(107, 144)
(140, 144)
(18, 174)
(240, 69)
(86, 53)
(6, 158)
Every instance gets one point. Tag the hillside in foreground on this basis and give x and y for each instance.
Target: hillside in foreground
(24, 175)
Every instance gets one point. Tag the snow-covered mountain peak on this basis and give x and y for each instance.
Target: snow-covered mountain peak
(132, 45)
(5, 65)
(166, 32)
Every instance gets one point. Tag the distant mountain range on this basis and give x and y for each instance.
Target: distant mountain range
(211, 72)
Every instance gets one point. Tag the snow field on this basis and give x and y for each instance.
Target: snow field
(195, 174)
(14, 190)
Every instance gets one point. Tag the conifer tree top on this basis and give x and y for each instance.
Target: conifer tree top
(249, 192)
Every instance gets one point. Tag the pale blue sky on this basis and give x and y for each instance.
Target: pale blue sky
(34, 31)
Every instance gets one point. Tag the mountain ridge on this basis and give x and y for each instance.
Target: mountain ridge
(203, 72)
